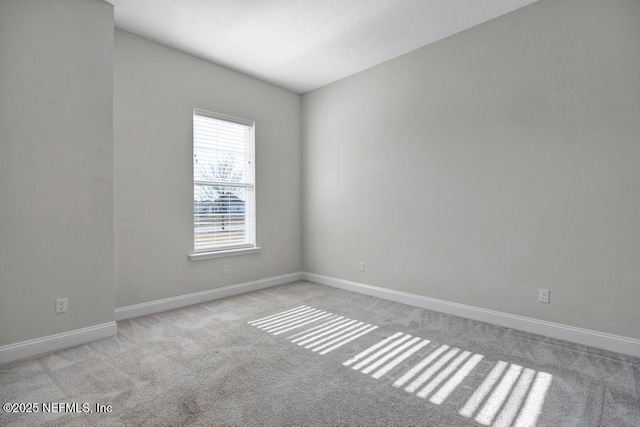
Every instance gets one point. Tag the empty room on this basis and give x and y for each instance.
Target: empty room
(320, 213)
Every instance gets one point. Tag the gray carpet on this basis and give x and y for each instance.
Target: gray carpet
(306, 354)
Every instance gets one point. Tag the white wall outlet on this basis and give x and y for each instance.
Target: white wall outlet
(61, 305)
(225, 269)
(544, 295)
(362, 267)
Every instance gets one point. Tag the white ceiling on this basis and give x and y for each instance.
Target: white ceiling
(302, 45)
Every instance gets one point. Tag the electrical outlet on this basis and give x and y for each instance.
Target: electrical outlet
(61, 305)
(225, 269)
(544, 295)
(362, 267)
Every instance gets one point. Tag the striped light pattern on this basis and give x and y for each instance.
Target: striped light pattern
(509, 395)
(323, 331)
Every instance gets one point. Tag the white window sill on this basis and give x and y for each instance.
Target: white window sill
(223, 254)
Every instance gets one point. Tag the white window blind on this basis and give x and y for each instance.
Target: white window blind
(223, 182)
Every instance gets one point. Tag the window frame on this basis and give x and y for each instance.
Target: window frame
(249, 182)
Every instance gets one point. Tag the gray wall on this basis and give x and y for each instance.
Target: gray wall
(475, 170)
(490, 164)
(155, 91)
(56, 166)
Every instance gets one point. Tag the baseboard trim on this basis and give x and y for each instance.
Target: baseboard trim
(157, 306)
(615, 343)
(24, 349)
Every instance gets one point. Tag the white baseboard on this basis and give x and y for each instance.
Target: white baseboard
(23, 349)
(615, 343)
(157, 306)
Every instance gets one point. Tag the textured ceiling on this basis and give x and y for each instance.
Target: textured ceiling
(302, 45)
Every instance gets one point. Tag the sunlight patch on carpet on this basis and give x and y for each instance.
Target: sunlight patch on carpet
(333, 332)
(509, 395)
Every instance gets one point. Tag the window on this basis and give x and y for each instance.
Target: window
(223, 183)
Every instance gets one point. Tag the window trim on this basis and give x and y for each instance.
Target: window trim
(197, 256)
(230, 250)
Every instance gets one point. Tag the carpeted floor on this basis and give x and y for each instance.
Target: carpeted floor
(307, 354)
